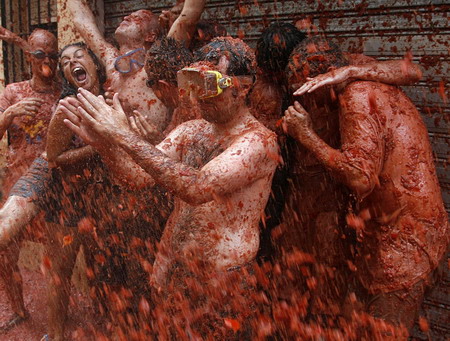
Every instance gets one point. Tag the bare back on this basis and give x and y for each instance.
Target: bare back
(408, 220)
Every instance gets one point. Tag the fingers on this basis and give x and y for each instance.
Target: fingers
(109, 94)
(76, 129)
(116, 102)
(101, 98)
(291, 110)
(141, 127)
(86, 102)
(284, 125)
(109, 98)
(73, 117)
(70, 105)
(133, 125)
(90, 101)
(309, 86)
(86, 117)
(303, 89)
(35, 101)
(146, 125)
(299, 107)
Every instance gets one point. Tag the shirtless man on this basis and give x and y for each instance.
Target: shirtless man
(385, 160)
(25, 112)
(124, 66)
(219, 168)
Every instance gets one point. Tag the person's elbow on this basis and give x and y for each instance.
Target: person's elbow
(362, 185)
(196, 197)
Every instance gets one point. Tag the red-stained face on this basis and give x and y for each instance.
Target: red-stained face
(44, 55)
(79, 68)
(135, 26)
(221, 108)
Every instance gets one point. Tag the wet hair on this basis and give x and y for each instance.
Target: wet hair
(153, 24)
(314, 56)
(241, 58)
(165, 58)
(67, 88)
(275, 46)
(206, 30)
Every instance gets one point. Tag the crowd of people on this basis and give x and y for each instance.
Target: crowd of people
(219, 192)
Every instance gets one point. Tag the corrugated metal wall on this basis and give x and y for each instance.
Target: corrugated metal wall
(384, 29)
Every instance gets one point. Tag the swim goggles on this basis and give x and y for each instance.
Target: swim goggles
(39, 54)
(124, 63)
(202, 83)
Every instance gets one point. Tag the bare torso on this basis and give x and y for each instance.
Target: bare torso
(135, 95)
(224, 232)
(408, 230)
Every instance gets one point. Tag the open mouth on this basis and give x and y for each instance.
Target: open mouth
(79, 74)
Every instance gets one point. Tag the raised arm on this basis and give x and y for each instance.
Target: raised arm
(359, 161)
(184, 27)
(12, 38)
(85, 23)
(394, 72)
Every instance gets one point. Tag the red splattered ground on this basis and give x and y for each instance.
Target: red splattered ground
(79, 324)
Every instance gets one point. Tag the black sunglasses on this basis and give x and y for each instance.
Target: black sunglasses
(39, 54)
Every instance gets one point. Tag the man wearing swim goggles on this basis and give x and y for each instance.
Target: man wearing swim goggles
(39, 54)
(201, 82)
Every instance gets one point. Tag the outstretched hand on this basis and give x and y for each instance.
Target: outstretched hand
(91, 118)
(145, 128)
(297, 122)
(330, 78)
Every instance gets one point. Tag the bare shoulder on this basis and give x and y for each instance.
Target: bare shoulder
(196, 125)
(257, 139)
(359, 58)
(367, 98)
(358, 88)
(19, 86)
(186, 130)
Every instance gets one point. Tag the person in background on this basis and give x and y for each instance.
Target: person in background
(385, 159)
(25, 112)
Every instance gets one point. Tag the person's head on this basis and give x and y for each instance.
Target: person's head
(312, 57)
(139, 29)
(206, 31)
(80, 68)
(275, 45)
(164, 59)
(43, 54)
(235, 61)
